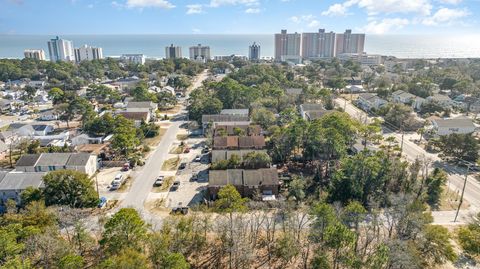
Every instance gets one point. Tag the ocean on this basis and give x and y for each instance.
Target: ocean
(401, 46)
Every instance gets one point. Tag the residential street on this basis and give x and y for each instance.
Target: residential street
(412, 151)
(144, 179)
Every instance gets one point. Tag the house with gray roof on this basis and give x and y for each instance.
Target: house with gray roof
(442, 127)
(248, 182)
(12, 184)
(46, 162)
(239, 112)
(402, 97)
(368, 101)
(313, 111)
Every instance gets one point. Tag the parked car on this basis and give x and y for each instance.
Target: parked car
(102, 202)
(126, 167)
(205, 150)
(180, 210)
(194, 177)
(198, 158)
(182, 166)
(159, 181)
(175, 185)
(117, 182)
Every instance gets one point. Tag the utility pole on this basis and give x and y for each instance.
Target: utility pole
(401, 144)
(463, 191)
(96, 183)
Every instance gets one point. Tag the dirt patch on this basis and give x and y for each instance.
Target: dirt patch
(171, 164)
(165, 186)
(153, 141)
(173, 110)
(177, 150)
(182, 137)
(450, 199)
(157, 207)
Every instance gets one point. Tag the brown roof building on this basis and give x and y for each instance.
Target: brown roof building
(239, 142)
(247, 182)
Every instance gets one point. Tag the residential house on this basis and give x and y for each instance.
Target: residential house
(45, 162)
(147, 106)
(22, 129)
(354, 89)
(211, 121)
(12, 184)
(42, 129)
(238, 142)
(313, 111)
(418, 103)
(249, 183)
(5, 105)
(84, 139)
(442, 100)
(369, 101)
(442, 127)
(136, 117)
(294, 91)
(168, 89)
(48, 115)
(235, 112)
(353, 80)
(39, 84)
(229, 130)
(403, 97)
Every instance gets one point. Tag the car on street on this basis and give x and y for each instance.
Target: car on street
(182, 166)
(175, 185)
(159, 181)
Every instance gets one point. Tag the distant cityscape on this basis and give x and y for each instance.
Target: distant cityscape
(294, 48)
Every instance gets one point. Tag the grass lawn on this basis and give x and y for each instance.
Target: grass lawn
(450, 200)
(171, 164)
(177, 150)
(152, 142)
(165, 186)
(182, 137)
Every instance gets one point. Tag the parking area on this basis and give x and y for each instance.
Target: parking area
(192, 175)
(104, 180)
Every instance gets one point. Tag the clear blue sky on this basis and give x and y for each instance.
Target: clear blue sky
(237, 16)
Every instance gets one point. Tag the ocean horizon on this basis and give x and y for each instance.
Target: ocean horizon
(153, 45)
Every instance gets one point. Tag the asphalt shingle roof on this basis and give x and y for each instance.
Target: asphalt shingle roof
(21, 180)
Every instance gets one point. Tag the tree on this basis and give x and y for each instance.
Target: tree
(174, 261)
(68, 187)
(71, 262)
(296, 189)
(435, 183)
(436, 248)
(125, 229)
(263, 117)
(469, 237)
(126, 259)
(256, 160)
(57, 95)
(460, 146)
(229, 200)
(31, 194)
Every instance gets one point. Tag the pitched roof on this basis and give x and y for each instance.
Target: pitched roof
(240, 177)
(78, 159)
(234, 112)
(28, 160)
(311, 107)
(403, 94)
(224, 118)
(458, 122)
(225, 142)
(134, 115)
(294, 91)
(40, 127)
(144, 104)
(313, 115)
(21, 180)
(231, 129)
(50, 159)
(257, 141)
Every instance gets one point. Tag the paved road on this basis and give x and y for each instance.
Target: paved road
(145, 178)
(412, 151)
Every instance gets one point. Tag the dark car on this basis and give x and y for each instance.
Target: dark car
(182, 166)
(194, 177)
(205, 150)
(175, 185)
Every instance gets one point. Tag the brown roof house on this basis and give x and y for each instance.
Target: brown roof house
(239, 142)
(247, 182)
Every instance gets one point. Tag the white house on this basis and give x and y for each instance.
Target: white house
(48, 115)
(148, 106)
(45, 162)
(370, 101)
(84, 139)
(442, 100)
(403, 97)
(452, 126)
(418, 103)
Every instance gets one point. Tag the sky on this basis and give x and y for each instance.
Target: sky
(238, 16)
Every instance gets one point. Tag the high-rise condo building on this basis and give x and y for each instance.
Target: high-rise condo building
(350, 43)
(88, 53)
(133, 58)
(318, 45)
(200, 53)
(254, 52)
(34, 54)
(60, 50)
(287, 47)
(173, 52)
